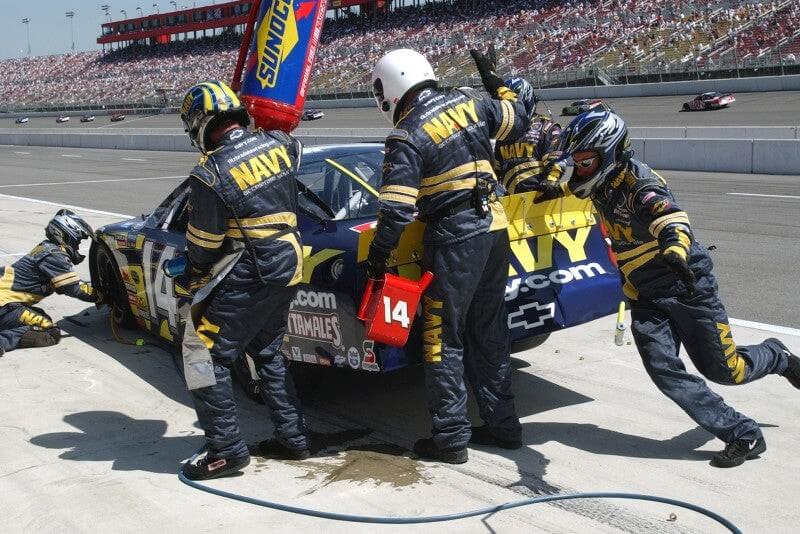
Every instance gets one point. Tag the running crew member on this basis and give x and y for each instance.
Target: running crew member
(243, 191)
(524, 162)
(668, 279)
(48, 268)
(438, 161)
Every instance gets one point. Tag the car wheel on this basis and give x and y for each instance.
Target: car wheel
(528, 344)
(686, 107)
(109, 282)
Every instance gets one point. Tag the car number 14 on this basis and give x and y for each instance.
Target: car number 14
(397, 314)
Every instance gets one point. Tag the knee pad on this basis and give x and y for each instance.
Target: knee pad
(40, 337)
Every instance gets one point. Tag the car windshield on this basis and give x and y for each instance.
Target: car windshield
(341, 182)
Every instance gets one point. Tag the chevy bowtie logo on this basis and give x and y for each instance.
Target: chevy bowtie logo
(532, 315)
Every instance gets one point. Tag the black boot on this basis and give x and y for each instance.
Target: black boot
(427, 450)
(272, 448)
(792, 372)
(211, 467)
(38, 337)
(737, 451)
(481, 435)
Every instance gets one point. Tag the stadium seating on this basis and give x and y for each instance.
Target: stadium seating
(539, 39)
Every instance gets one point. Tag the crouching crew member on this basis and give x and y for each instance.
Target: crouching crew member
(522, 163)
(244, 191)
(668, 279)
(438, 162)
(48, 268)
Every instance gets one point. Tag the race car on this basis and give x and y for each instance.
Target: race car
(87, 118)
(582, 106)
(62, 118)
(116, 117)
(312, 114)
(561, 274)
(711, 100)
(21, 120)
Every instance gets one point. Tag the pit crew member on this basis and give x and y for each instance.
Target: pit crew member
(668, 280)
(48, 268)
(438, 161)
(243, 191)
(530, 159)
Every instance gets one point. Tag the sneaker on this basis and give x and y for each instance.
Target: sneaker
(737, 451)
(481, 435)
(792, 372)
(209, 467)
(272, 448)
(427, 450)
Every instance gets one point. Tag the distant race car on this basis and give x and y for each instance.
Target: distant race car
(711, 100)
(312, 114)
(562, 273)
(62, 118)
(87, 118)
(22, 120)
(582, 106)
(116, 117)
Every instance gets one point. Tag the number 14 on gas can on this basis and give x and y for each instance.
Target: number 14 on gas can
(397, 314)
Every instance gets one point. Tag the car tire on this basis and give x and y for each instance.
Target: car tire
(528, 344)
(107, 278)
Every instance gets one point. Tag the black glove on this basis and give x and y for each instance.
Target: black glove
(198, 278)
(487, 67)
(678, 265)
(549, 190)
(100, 298)
(376, 262)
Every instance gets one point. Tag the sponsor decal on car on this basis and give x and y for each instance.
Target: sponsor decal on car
(555, 277)
(314, 299)
(369, 362)
(531, 315)
(315, 326)
(353, 358)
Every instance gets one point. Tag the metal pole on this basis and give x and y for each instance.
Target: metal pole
(71, 15)
(26, 21)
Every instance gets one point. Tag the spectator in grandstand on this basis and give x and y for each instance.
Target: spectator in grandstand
(48, 268)
(669, 283)
(524, 162)
(464, 308)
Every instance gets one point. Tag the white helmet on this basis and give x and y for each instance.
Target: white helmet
(397, 73)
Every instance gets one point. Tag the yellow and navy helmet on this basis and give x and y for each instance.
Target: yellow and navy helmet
(207, 103)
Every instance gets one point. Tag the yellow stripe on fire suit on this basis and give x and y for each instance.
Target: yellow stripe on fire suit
(475, 166)
(628, 254)
(672, 218)
(202, 234)
(7, 294)
(283, 217)
(507, 123)
(65, 279)
(454, 185)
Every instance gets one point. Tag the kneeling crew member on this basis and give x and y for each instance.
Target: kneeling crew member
(48, 268)
(522, 163)
(244, 190)
(668, 279)
(438, 161)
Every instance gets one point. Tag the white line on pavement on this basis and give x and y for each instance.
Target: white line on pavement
(70, 156)
(18, 254)
(20, 152)
(48, 203)
(96, 181)
(767, 327)
(761, 195)
(133, 159)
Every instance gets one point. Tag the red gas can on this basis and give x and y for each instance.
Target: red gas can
(388, 307)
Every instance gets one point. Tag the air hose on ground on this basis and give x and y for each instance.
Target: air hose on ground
(408, 520)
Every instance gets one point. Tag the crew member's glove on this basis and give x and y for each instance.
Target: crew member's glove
(487, 67)
(550, 190)
(376, 262)
(198, 278)
(100, 298)
(677, 263)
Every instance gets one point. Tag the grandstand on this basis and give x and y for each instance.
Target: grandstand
(552, 42)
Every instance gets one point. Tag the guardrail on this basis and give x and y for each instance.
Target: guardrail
(742, 155)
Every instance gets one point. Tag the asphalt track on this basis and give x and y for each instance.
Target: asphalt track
(780, 108)
(757, 238)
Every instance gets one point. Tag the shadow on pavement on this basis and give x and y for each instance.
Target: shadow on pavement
(131, 444)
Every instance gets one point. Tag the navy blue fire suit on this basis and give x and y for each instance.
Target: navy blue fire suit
(44, 270)
(435, 157)
(245, 190)
(643, 221)
(523, 162)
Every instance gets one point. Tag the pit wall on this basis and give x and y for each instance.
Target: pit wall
(760, 156)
